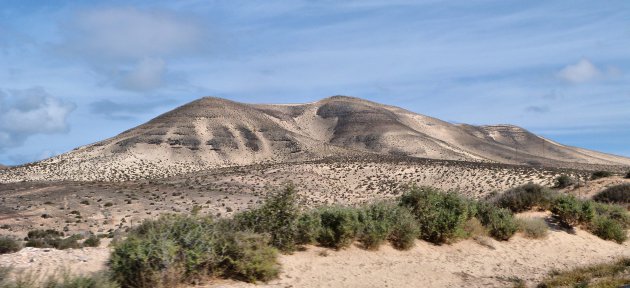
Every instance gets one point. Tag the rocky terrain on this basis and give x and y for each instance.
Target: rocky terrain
(213, 132)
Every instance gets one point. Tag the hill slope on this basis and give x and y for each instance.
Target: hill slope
(213, 132)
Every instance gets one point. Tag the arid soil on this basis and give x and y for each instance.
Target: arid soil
(106, 207)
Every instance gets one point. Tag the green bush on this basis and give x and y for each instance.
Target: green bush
(376, 224)
(9, 245)
(601, 174)
(99, 280)
(499, 221)
(49, 233)
(440, 216)
(614, 212)
(563, 181)
(525, 197)
(404, 230)
(608, 229)
(615, 194)
(65, 280)
(340, 226)
(308, 228)
(179, 249)
(92, 241)
(278, 217)
(51, 239)
(572, 211)
(247, 257)
(533, 227)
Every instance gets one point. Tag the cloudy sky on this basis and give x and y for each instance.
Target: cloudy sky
(76, 72)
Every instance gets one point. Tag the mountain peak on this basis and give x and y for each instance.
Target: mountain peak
(215, 132)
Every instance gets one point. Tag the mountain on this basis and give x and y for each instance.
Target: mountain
(213, 132)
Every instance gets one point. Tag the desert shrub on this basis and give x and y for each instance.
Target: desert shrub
(613, 212)
(499, 221)
(308, 228)
(165, 252)
(615, 194)
(140, 263)
(51, 239)
(627, 176)
(49, 233)
(525, 197)
(375, 224)
(572, 211)
(278, 217)
(440, 216)
(9, 245)
(474, 228)
(179, 249)
(563, 181)
(99, 280)
(340, 226)
(404, 230)
(533, 227)
(613, 274)
(608, 229)
(248, 257)
(92, 241)
(28, 279)
(600, 174)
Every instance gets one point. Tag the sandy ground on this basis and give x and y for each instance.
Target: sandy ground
(42, 262)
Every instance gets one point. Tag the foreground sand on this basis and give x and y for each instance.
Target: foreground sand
(463, 264)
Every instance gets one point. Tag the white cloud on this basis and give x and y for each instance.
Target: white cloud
(24, 113)
(127, 33)
(582, 71)
(147, 75)
(112, 40)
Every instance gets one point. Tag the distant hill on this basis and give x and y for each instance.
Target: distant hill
(214, 132)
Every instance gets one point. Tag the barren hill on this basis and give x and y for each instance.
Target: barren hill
(213, 132)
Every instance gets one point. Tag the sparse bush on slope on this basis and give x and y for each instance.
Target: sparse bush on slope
(609, 229)
(627, 176)
(65, 280)
(376, 223)
(277, 217)
(525, 197)
(340, 226)
(440, 216)
(9, 245)
(605, 275)
(615, 194)
(572, 211)
(500, 222)
(563, 181)
(404, 231)
(600, 174)
(533, 227)
(51, 239)
(179, 249)
(309, 225)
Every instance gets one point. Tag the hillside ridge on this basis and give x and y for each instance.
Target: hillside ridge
(213, 132)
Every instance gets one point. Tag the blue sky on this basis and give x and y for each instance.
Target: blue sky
(76, 72)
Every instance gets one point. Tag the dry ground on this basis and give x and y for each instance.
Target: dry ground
(103, 207)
